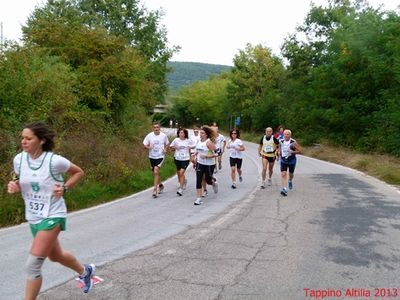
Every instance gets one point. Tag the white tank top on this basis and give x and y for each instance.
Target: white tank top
(286, 148)
(268, 147)
(194, 139)
(37, 181)
(202, 149)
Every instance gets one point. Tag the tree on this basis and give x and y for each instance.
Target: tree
(256, 79)
(113, 78)
(202, 102)
(122, 19)
(342, 77)
(36, 87)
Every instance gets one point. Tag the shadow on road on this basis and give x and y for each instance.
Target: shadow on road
(357, 221)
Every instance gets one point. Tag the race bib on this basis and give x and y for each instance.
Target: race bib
(233, 151)
(37, 205)
(286, 152)
(157, 149)
(268, 148)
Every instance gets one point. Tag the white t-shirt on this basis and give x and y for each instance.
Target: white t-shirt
(195, 139)
(37, 179)
(182, 148)
(219, 141)
(232, 147)
(158, 142)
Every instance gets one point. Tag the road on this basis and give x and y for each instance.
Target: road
(336, 231)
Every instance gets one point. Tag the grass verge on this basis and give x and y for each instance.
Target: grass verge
(384, 167)
(88, 193)
(92, 193)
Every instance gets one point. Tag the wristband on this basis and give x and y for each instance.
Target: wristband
(66, 189)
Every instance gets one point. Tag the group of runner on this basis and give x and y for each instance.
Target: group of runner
(39, 177)
(205, 147)
(281, 147)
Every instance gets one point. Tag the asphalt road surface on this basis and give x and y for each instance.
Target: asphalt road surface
(336, 234)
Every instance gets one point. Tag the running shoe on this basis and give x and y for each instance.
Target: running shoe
(263, 185)
(215, 187)
(154, 195)
(283, 192)
(240, 178)
(87, 278)
(233, 185)
(179, 192)
(269, 182)
(220, 166)
(205, 193)
(198, 201)
(290, 185)
(160, 188)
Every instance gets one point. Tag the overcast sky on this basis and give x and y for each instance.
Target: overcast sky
(209, 31)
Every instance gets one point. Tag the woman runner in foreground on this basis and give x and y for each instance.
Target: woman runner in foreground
(39, 178)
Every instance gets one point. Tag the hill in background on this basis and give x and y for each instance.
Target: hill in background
(184, 73)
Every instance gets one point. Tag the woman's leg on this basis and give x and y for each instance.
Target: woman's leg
(178, 174)
(181, 176)
(42, 245)
(233, 174)
(239, 168)
(203, 184)
(199, 180)
(65, 258)
(208, 174)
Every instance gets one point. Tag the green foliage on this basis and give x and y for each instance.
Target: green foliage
(84, 30)
(140, 27)
(33, 86)
(128, 19)
(186, 73)
(340, 82)
(202, 102)
(255, 86)
(81, 72)
(343, 80)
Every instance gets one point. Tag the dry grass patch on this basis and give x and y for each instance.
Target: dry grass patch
(384, 167)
